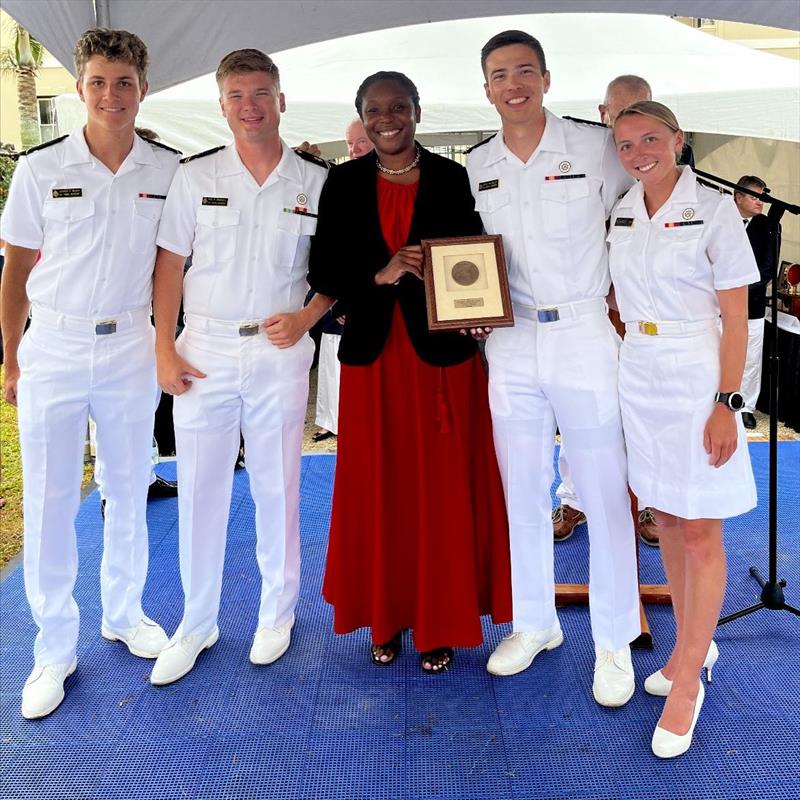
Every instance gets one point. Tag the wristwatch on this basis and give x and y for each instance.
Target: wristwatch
(733, 400)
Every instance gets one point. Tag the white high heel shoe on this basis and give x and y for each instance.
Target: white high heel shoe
(656, 684)
(668, 745)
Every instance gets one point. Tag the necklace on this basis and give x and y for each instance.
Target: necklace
(402, 171)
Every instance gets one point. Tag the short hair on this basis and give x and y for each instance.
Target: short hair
(632, 83)
(751, 180)
(239, 62)
(650, 108)
(387, 75)
(147, 133)
(113, 46)
(507, 38)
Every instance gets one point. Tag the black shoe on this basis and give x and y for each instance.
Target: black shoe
(749, 420)
(321, 436)
(239, 460)
(162, 487)
(103, 507)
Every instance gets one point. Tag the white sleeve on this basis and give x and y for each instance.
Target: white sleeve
(615, 179)
(179, 217)
(22, 223)
(732, 261)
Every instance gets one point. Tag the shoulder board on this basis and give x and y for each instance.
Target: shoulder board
(162, 146)
(480, 144)
(204, 153)
(586, 122)
(46, 144)
(313, 159)
(710, 185)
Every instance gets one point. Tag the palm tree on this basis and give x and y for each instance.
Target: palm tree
(24, 57)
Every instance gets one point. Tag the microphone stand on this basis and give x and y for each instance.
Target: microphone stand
(772, 596)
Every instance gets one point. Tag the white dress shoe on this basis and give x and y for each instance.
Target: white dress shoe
(668, 745)
(656, 684)
(517, 651)
(44, 689)
(269, 644)
(178, 657)
(146, 640)
(613, 683)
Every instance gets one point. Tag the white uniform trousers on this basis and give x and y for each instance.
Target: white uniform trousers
(68, 371)
(564, 372)
(566, 492)
(751, 377)
(254, 387)
(328, 372)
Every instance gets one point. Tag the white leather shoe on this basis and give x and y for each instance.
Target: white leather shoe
(269, 644)
(178, 657)
(613, 683)
(146, 640)
(668, 745)
(659, 686)
(44, 689)
(517, 651)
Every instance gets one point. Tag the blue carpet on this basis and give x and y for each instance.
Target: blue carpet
(322, 723)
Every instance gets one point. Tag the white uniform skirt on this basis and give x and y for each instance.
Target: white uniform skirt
(666, 390)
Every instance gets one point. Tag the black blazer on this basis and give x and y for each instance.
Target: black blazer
(348, 250)
(759, 232)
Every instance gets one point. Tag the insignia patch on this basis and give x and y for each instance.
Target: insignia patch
(564, 166)
(564, 177)
(147, 196)
(688, 213)
(303, 212)
(623, 222)
(57, 193)
(301, 199)
(215, 201)
(482, 187)
(683, 224)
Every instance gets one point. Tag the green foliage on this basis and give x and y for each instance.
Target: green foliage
(7, 166)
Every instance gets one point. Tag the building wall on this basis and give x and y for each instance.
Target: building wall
(777, 41)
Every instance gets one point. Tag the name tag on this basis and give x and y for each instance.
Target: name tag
(683, 223)
(147, 196)
(564, 177)
(623, 222)
(58, 193)
(215, 201)
(482, 187)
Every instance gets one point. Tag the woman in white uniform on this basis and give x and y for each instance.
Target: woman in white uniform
(680, 264)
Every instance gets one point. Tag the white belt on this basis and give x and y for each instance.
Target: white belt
(671, 328)
(123, 320)
(223, 327)
(562, 311)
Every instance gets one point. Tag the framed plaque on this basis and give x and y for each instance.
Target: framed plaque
(466, 284)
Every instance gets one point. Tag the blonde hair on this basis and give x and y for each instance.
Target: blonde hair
(247, 60)
(650, 108)
(113, 46)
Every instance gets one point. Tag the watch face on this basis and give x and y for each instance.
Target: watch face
(736, 401)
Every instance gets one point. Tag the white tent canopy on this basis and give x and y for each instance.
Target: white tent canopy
(187, 38)
(713, 86)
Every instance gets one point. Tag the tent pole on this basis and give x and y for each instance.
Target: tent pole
(102, 14)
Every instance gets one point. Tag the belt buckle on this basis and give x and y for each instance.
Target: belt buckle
(648, 328)
(105, 327)
(250, 329)
(547, 315)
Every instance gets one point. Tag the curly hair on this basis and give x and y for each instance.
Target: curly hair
(113, 46)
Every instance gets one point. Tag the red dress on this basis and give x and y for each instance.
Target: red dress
(419, 535)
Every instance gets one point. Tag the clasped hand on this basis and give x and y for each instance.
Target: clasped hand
(405, 260)
(720, 437)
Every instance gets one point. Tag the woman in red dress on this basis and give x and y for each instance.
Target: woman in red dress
(418, 535)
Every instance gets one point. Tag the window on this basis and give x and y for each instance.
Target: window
(48, 129)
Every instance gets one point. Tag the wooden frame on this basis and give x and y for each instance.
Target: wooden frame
(466, 283)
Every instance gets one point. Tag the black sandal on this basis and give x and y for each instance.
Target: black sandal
(440, 654)
(391, 648)
(321, 436)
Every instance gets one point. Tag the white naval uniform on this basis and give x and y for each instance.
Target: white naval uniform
(551, 212)
(753, 363)
(96, 231)
(667, 270)
(328, 378)
(250, 253)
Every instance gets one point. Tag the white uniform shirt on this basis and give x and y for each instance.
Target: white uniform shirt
(551, 210)
(249, 244)
(669, 268)
(96, 229)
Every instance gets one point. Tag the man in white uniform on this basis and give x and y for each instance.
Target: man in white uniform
(247, 212)
(623, 91)
(547, 185)
(90, 202)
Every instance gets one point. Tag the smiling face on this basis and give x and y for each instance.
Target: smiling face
(111, 92)
(358, 144)
(647, 148)
(390, 117)
(252, 104)
(515, 84)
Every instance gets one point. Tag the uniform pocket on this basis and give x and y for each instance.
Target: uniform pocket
(293, 238)
(70, 224)
(683, 246)
(560, 200)
(491, 205)
(217, 228)
(146, 216)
